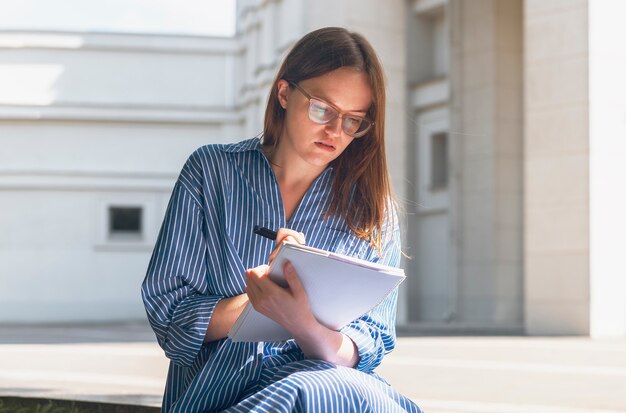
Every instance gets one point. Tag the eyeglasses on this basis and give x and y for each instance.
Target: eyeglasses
(322, 112)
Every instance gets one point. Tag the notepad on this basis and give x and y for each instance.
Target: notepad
(340, 289)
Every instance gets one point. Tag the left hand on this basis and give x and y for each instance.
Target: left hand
(289, 307)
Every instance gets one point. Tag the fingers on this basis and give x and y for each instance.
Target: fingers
(259, 271)
(272, 255)
(279, 304)
(255, 279)
(288, 235)
(263, 293)
(259, 282)
(295, 285)
(252, 287)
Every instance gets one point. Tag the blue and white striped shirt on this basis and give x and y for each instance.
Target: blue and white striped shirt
(203, 249)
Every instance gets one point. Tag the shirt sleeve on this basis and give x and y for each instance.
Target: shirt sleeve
(375, 333)
(175, 290)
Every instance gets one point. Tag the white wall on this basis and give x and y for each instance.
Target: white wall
(109, 69)
(88, 121)
(54, 267)
(607, 167)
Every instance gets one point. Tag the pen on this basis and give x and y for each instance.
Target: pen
(265, 232)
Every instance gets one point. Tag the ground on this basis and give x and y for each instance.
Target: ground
(123, 364)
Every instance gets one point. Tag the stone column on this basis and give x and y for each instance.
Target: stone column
(486, 163)
(556, 152)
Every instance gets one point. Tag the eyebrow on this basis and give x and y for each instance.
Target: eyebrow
(325, 99)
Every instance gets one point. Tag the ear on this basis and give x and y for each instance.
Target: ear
(283, 92)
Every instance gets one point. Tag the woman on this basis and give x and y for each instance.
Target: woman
(319, 173)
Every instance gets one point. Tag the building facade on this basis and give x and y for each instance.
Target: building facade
(505, 136)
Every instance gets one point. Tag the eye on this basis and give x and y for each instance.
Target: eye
(352, 124)
(320, 112)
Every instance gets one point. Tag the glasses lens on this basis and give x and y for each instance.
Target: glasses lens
(320, 112)
(351, 125)
(355, 126)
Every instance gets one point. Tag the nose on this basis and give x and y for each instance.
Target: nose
(334, 126)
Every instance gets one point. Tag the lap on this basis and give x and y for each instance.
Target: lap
(314, 385)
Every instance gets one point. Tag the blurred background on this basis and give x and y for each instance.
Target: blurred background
(505, 132)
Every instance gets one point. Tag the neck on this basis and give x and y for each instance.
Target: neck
(291, 171)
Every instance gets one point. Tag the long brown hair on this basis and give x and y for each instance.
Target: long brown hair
(361, 189)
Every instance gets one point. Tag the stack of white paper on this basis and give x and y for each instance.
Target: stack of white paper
(340, 289)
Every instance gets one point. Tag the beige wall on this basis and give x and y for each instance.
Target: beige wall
(556, 152)
(486, 161)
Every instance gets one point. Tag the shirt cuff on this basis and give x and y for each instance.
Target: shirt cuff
(188, 328)
(369, 345)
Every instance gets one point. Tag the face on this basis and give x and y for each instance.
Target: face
(347, 90)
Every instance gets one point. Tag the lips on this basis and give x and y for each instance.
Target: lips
(325, 146)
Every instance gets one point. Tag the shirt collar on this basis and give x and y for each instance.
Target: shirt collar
(252, 145)
(244, 146)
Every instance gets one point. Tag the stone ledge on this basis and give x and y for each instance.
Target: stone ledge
(24, 404)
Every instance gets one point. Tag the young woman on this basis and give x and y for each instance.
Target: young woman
(319, 176)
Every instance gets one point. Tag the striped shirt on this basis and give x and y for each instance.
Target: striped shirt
(205, 245)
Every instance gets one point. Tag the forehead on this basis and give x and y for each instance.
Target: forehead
(347, 88)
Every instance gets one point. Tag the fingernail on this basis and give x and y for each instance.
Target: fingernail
(288, 267)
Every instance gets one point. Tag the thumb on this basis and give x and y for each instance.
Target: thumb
(295, 285)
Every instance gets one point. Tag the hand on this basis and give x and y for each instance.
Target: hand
(289, 306)
(289, 235)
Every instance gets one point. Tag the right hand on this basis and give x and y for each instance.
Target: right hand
(289, 235)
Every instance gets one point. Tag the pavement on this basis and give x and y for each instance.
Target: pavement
(123, 364)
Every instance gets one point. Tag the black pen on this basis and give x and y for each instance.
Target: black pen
(265, 232)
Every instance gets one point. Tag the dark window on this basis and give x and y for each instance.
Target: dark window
(439, 161)
(125, 222)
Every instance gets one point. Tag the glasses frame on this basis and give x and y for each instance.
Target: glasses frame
(340, 113)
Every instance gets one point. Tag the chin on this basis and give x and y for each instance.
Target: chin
(320, 161)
